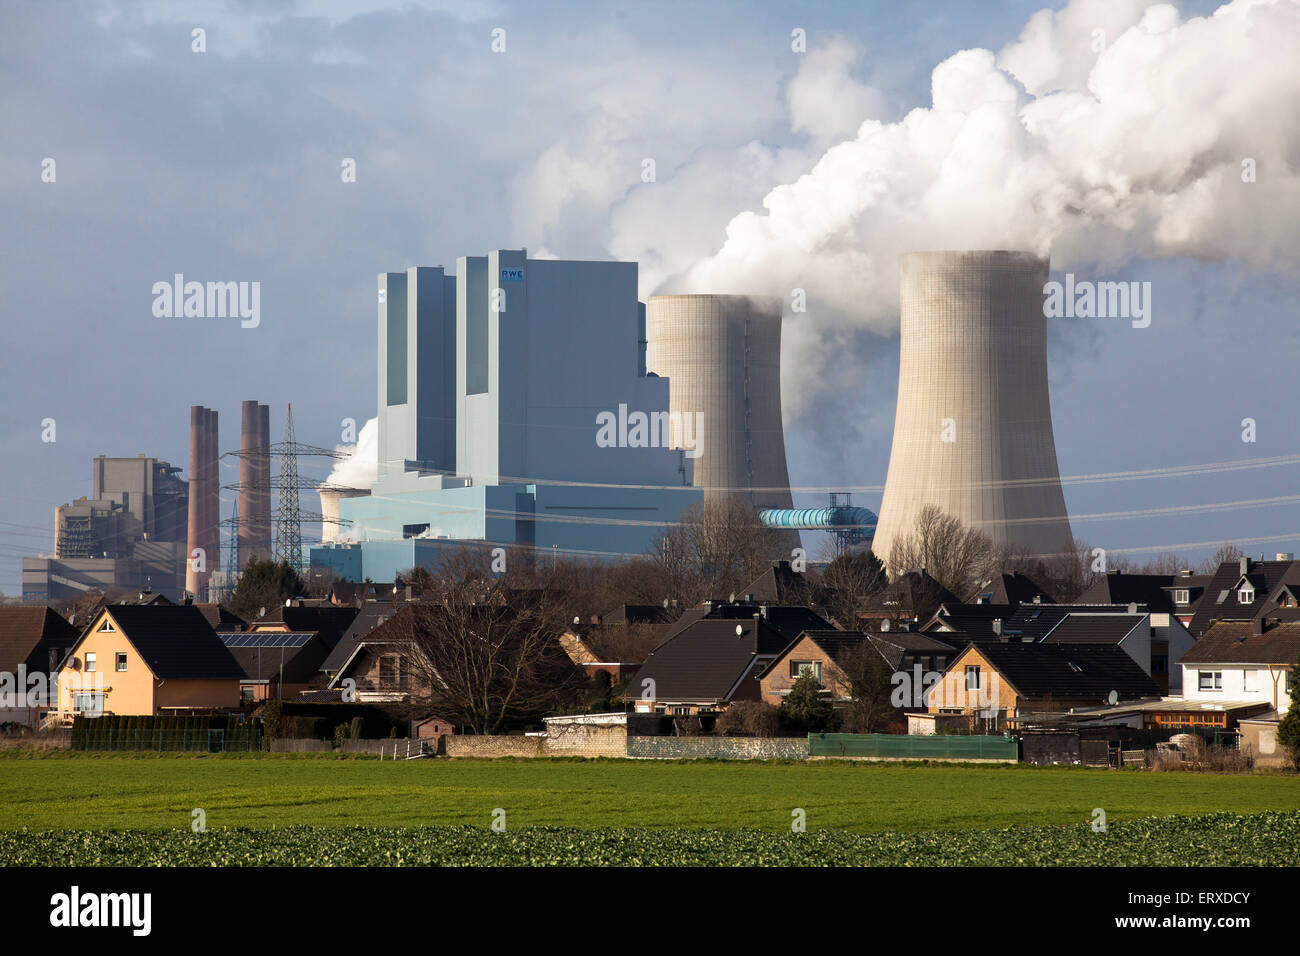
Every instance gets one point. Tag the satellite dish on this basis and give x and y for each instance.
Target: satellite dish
(1113, 698)
(740, 630)
(576, 619)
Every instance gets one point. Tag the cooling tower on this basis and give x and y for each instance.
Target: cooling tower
(973, 428)
(722, 357)
(329, 509)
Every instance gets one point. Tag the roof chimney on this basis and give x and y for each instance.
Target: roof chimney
(1257, 626)
(997, 625)
(1132, 607)
(884, 625)
(1243, 564)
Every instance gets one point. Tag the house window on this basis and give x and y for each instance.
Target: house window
(88, 703)
(799, 668)
(106, 626)
(1209, 680)
(972, 677)
(121, 660)
(90, 661)
(1182, 597)
(1246, 595)
(389, 670)
(1160, 664)
(1248, 680)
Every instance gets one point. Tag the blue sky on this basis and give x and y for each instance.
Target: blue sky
(224, 165)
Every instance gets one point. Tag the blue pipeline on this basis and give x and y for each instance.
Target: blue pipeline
(818, 519)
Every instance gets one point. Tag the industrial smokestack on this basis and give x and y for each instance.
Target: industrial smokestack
(722, 357)
(195, 516)
(254, 483)
(973, 428)
(212, 495)
(264, 479)
(204, 509)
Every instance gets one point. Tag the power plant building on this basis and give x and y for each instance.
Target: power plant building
(973, 427)
(514, 410)
(130, 533)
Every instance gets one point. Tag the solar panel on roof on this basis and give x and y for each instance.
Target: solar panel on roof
(267, 639)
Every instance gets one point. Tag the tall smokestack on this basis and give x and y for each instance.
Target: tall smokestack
(194, 534)
(252, 451)
(973, 428)
(264, 479)
(204, 508)
(213, 494)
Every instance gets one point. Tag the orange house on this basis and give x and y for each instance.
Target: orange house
(148, 660)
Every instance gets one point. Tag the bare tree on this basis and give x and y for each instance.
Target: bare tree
(716, 549)
(956, 556)
(1226, 552)
(848, 584)
(870, 685)
(487, 643)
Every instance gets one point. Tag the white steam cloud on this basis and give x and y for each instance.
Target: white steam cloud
(361, 467)
(1110, 130)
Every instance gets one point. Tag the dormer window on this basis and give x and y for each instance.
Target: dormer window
(1246, 595)
(1182, 596)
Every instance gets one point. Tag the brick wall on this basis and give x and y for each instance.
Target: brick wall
(720, 748)
(471, 745)
(586, 740)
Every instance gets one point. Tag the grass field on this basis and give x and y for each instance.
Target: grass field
(95, 792)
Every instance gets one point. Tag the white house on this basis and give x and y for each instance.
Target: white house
(1243, 661)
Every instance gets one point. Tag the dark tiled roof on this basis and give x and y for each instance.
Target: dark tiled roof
(1035, 621)
(975, 620)
(782, 584)
(1069, 671)
(1012, 588)
(1230, 642)
(29, 633)
(1116, 587)
(326, 620)
(1219, 602)
(705, 661)
(1094, 628)
(220, 619)
(913, 592)
(176, 641)
(364, 620)
(297, 665)
(789, 620)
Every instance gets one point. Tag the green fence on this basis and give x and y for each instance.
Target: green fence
(206, 740)
(931, 747)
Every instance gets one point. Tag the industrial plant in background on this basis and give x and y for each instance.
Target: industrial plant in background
(491, 384)
(973, 428)
(129, 534)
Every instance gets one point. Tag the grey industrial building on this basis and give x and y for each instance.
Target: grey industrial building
(130, 533)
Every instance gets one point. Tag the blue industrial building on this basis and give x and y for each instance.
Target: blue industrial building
(491, 382)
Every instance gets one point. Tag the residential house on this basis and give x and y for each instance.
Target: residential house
(826, 654)
(148, 660)
(1240, 590)
(995, 682)
(1243, 661)
(33, 639)
(278, 664)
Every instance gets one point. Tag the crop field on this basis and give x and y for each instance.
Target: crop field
(1225, 839)
(292, 810)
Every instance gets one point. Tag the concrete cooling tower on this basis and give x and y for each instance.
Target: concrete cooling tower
(973, 428)
(721, 355)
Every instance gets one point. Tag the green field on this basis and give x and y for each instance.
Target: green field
(1225, 839)
(94, 792)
